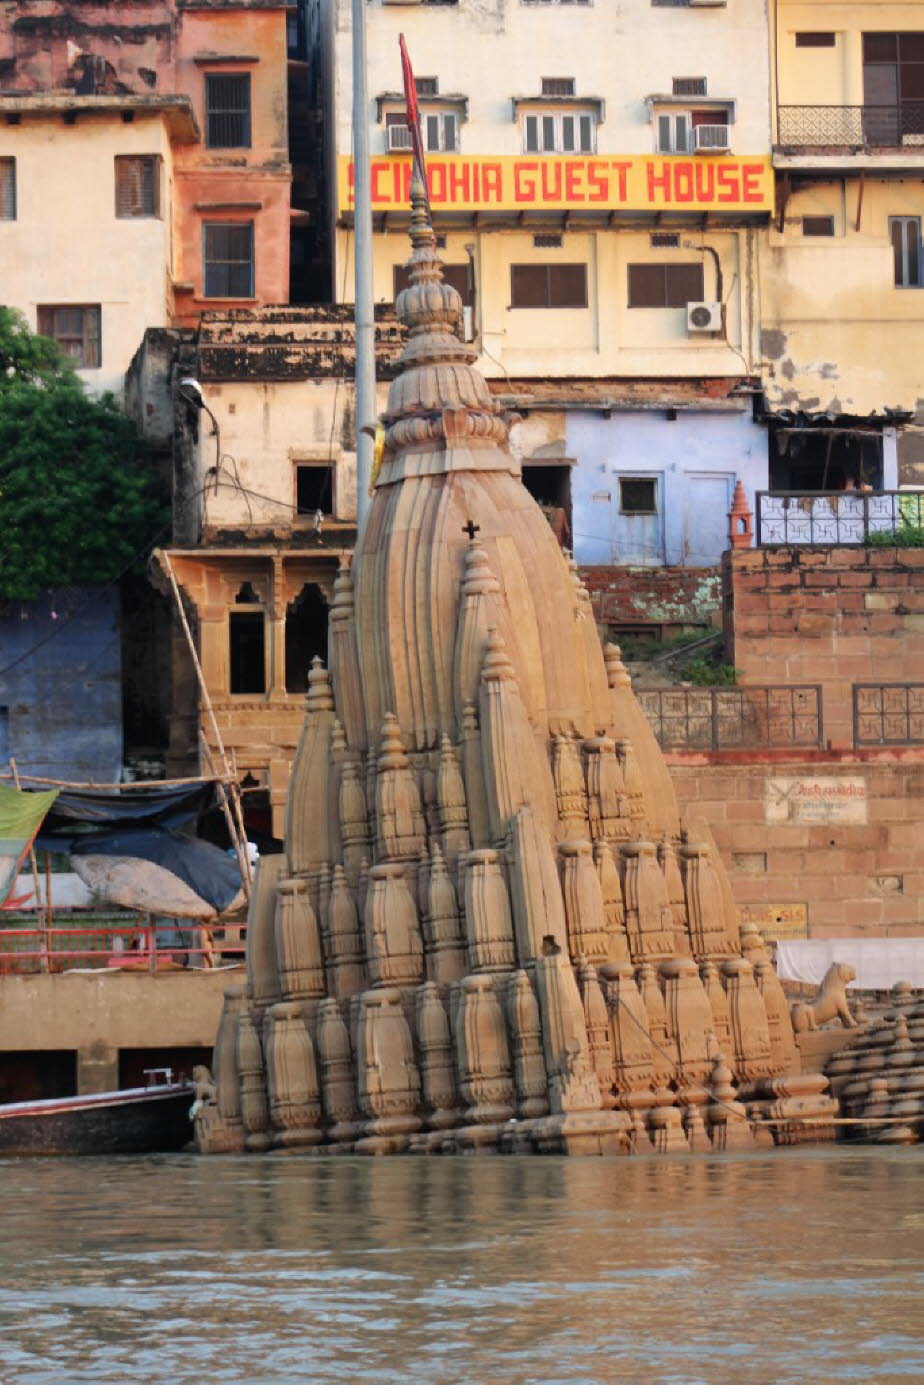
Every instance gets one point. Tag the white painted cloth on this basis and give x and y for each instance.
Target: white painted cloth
(878, 962)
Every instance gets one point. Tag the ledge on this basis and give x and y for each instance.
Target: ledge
(177, 110)
(578, 103)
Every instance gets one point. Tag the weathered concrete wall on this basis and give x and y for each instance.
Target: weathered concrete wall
(100, 1012)
(834, 616)
(670, 596)
(60, 696)
(831, 843)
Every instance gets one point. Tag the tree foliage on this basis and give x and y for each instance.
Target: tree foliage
(77, 501)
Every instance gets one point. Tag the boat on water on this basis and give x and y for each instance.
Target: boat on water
(138, 1120)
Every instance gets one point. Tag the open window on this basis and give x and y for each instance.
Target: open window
(548, 480)
(314, 488)
(824, 459)
(246, 643)
(306, 635)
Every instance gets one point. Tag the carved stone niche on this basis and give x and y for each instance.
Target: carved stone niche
(583, 899)
(488, 921)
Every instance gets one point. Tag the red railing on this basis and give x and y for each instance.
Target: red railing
(131, 947)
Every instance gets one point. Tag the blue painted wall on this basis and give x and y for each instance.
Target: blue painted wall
(693, 461)
(60, 685)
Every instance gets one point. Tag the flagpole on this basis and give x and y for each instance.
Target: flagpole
(366, 406)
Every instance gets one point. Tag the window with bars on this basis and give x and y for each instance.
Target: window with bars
(818, 225)
(439, 130)
(76, 329)
(227, 256)
(227, 110)
(7, 189)
(905, 234)
(638, 495)
(137, 185)
(665, 285)
(426, 86)
(557, 86)
(548, 286)
(556, 133)
(688, 86)
(815, 39)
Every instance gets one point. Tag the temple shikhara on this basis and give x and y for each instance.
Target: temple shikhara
(490, 928)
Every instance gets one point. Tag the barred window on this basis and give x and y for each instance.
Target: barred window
(227, 110)
(7, 189)
(227, 254)
(76, 329)
(137, 185)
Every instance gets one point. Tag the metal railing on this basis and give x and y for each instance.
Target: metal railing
(133, 946)
(833, 517)
(888, 713)
(734, 718)
(852, 127)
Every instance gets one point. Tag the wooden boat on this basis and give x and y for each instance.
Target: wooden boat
(138, 1120)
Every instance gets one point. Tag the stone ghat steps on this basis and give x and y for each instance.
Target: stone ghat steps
(879, 1076)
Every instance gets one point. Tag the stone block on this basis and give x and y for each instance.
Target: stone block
(815, 623)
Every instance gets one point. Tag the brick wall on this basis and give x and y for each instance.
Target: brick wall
(669, 596)
(858, 878)
(834, 616)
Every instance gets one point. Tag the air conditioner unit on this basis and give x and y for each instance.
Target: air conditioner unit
(704, 317)
(399, 137)
(710, 139)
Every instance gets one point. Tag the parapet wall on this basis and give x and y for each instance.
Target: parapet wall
(833, 616)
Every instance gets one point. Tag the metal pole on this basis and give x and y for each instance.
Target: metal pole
(366, 409)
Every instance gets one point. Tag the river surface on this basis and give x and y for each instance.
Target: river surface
(776, 1267)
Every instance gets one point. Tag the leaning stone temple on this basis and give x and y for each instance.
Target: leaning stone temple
(490, 929)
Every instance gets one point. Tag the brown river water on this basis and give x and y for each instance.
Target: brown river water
(784, 1267)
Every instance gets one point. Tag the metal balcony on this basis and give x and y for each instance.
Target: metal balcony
(833, 129)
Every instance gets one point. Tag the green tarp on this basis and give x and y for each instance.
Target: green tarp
(21, 816)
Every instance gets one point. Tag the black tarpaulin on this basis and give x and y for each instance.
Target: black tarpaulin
(207, 871)
(78, 813)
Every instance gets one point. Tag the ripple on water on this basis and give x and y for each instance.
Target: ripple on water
(801, 1266)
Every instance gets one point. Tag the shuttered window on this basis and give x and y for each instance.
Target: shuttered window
(227, 252)
(548, 286)
(227, 110)
(76, 329)
(905, 233)
(665, 285)
(7, 189)
(137, 185)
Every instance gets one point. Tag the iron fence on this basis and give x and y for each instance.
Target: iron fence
(888, 713)
(735, 718)
(132, 946)
(852, 127)
(834, 517)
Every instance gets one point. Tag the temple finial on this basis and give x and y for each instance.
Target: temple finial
(421, 229)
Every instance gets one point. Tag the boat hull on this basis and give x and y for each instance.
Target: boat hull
(138, 1121)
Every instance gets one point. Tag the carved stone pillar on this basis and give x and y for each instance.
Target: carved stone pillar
(436, 1059)
(526, 1038)
(254, 1106)
(389, 1083)
(583, 900)
(573, 1084)
(718, 1004)
(570, 796)
(262, 969)
(307, 825)
(451, 804)
(398, 816)
(663, 1049)
(607, 801)
(726, 1117)
(649, 922)
(689, 1019)
(676, 897)
(478, 613)
(597, 1020)
(750, 1032)
(633, 1061)
(444, 943)
(294, 1097)
(711, 933)
(634, 782)
(486, 1082)
(342, 940)
(476, 794)
(784, 1056)
(337, 1082)
(617, 942)
(344, 660)
(488, 924)
(394, 951)
(513, 772)
(535, 891)
(220, 1129)
(354, 818)
(298, 943)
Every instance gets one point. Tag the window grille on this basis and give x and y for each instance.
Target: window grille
(818, 225)
(227, 253)
(137, 185)
(665, 240)
(547, 242)
(227, 110)
(7, 189)
(426, 86)
(557, 86)
(689, 86)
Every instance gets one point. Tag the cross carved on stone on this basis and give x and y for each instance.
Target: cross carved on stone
(471, 529)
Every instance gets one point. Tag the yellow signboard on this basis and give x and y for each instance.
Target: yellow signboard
(581, 182)
(777, 921)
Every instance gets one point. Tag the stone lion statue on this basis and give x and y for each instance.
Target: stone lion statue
(830, 1002)
(205, 1091)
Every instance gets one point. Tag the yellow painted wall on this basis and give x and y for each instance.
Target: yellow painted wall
(68, 246)
(832, 76)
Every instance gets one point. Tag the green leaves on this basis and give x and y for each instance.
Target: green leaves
(77, 503)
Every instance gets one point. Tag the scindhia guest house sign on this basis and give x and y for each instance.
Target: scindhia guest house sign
(570, 183)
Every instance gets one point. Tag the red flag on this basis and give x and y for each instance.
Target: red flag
(413, 114)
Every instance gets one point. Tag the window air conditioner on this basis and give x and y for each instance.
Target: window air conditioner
(704, 317)
(710, 139)
(399, 137)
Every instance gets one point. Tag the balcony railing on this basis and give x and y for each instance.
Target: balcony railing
(836, 128)
(833, 517)
(888, 713)
(753, 718)
(133, 947)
